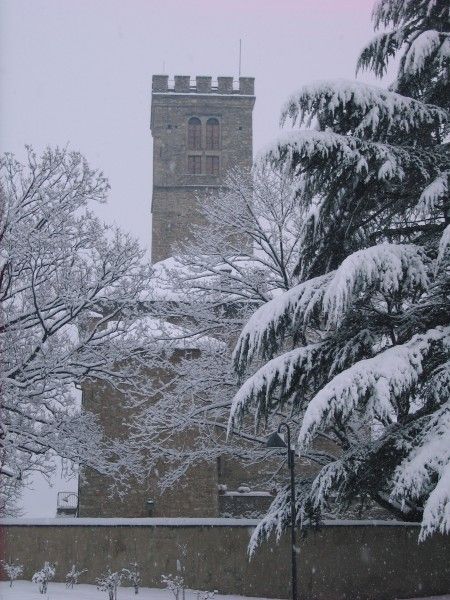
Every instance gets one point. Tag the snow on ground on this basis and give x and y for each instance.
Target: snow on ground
(25, 590)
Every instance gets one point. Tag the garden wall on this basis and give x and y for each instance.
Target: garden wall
(343, 560)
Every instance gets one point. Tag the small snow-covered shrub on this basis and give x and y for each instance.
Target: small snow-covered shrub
(12, 569)
(42, 577)
(73, 575)
(109, 582)
(175, 584)
(204, 595)
(133, 575)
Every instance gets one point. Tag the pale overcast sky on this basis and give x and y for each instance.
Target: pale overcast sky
(78, 72)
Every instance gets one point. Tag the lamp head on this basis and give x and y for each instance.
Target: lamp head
(275, 441)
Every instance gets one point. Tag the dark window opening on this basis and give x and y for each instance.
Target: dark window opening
(195, 164)
(212, 134)
(212, 165)
(194, 134)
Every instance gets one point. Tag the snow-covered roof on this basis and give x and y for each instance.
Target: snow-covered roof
(251, 494)
(130, 522)
(194, 279)
(161, 286)
(168, 334)
(167, 272)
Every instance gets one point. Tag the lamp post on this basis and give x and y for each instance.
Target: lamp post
(276, 441)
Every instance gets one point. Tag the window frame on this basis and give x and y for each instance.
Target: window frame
(212, 131)
(194, 164)
(212, 165)
(194, 133)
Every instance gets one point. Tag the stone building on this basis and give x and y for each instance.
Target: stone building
(200, 130)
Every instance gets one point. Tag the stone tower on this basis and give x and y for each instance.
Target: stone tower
(199, 131)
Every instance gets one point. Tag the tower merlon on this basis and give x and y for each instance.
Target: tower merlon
(182, 83)
(160, 83)
(225, 85)
(203, 84)
(247, 86)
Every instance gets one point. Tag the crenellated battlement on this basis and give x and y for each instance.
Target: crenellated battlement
(203, 84)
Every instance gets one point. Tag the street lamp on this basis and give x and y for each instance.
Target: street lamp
(276, 441)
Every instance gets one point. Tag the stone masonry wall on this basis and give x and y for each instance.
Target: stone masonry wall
(353, 561)
(195, 495)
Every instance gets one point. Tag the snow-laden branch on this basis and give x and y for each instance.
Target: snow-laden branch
(382, 161)
(292, 309)
(425, 45)
(429, 459)
(385, 268)
(434, 191)
(377, 381)
(420, 28)
(374, 111)
(436, 514)
(291, 371)
(444, 243)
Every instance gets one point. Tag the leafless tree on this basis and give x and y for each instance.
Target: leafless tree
(242, 255)
(70, 289)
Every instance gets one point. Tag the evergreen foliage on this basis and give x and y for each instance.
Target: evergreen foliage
(356, 355)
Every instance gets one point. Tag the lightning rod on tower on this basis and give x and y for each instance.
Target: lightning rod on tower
(240, 56)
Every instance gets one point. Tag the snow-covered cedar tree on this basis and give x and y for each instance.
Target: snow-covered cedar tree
(356, 355)
(13, 570)
(133, 575)
(73, 575)
(109, 582)
(42, 577)
(242, 254)
(69, 287)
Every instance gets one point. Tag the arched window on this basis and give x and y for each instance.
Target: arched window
(194, 134)
(212, 134)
